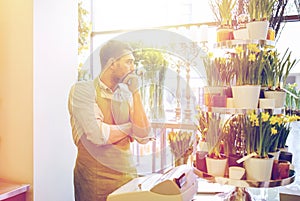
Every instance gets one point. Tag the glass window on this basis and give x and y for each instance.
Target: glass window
(290, 33)
(136, 14)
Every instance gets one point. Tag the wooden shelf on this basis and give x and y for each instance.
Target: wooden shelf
(11, 191)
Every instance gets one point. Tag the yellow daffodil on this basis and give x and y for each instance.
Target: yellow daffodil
(273, 130)
(273, 120)
(253, 48)
(239, 50)
(253, 119)
(265, 116)
(210, 55)
(252, 57)
(222, 60)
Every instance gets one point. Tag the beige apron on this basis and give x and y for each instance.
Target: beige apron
(100, 169)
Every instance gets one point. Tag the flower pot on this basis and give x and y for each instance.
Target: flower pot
(279, 97)
(224, 34)
(267, 103)
(258, 30)
(230, 103)
(271, 34)
(210, 92)
(216, 166)
(227, 92)
(246, 96)
(281, 169)
(236, 172)
(275, 154)
(285, 148)
(259, 169)
(241, 34)
(219, 101)
(285, 155)
(232, 158)
(201, 161)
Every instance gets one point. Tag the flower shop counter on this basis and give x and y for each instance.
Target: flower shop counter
(11, 191)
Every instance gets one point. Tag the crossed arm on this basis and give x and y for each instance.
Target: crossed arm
(87, 118)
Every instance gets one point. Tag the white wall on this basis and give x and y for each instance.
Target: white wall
(55, 60)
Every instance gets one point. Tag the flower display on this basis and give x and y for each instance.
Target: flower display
(245, 64)
(265, 132)
(181, 144)
(212, 72)
(219, 69)
(210, 127)
(247, 61)
(260, 9)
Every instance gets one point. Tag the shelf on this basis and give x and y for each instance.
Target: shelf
(247, 183)
(12, 191)
(225, 110)
(232, 43)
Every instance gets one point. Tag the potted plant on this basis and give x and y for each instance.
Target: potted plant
(277, 70)
(222, 10)
(248, 64)
(259, 129)
(234, 139)
(241, 32)
(265, 132)
(219, 73)
(284, 128)
(216, 162)
(260, 11)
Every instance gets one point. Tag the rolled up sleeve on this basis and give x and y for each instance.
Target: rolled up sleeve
(85, 115)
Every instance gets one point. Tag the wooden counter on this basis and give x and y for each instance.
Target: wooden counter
(11, 191)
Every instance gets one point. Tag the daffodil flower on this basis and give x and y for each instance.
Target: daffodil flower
(210, 55)
(273, 130)
(251, 57)
(239, 50)
(273, 120)
(265, 116)
(253, 48)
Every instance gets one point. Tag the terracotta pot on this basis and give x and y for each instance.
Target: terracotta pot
(281, 169)
(224, 34)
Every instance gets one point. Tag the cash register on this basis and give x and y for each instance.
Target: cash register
(178, 184)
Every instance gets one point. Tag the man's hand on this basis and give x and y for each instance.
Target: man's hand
(132, 80)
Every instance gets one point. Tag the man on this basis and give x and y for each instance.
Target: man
(107, 114)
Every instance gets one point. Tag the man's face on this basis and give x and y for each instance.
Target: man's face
(123, 66)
